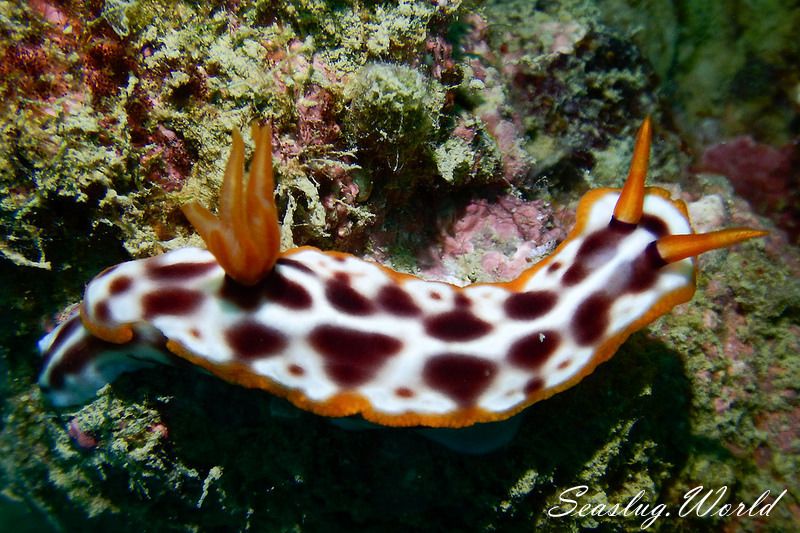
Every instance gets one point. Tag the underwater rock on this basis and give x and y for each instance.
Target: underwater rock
(766, 176)
(729, 68)
(495, 240)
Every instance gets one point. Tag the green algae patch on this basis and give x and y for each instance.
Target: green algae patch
(473, 160)
(392, 106)
(392, 115)
(739, 337)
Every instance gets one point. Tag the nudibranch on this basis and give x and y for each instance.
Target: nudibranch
(337, 335)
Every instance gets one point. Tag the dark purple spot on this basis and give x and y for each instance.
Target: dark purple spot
(251, 340)
(395, 300)
(530, 305)
(644, 269)
(620, 226)
(120, 285)
(534, 385)
(275, 287)
(654, 225)
(532, 351)
(280, 290)
(591, 319)
(352, 357)
(554, 266)
(69, 327)
(296, 370)
(171, 301)
(456, 326)
(435, 295)
(598, 246)
(292, 263)
(178, 271)
(461, 300)
(101, 311)
(564, 364)
(574, 274)
(602, 241)
(239, 295)
(594, 249)
(346, 299)
(404, 392)
(461, 377)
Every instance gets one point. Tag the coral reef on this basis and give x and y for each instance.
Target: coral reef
(443, 137)
(127, 107)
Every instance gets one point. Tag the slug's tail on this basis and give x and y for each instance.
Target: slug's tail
(76, 363)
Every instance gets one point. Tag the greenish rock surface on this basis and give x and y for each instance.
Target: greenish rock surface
(727, 68)
(390, 117)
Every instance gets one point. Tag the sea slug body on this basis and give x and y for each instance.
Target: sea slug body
(339, 336)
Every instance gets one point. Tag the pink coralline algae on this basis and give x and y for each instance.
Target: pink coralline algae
(505, 128)
(169, 161)
(493, 240)
(160, 430)
(317, 131)
(82, 438)
(768, 177)
(30, 67)
(316, 117)
(506, 134)
(104, 58)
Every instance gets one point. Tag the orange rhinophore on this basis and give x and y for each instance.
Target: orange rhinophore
(673, 248)
(631, 200)
(245, 236)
